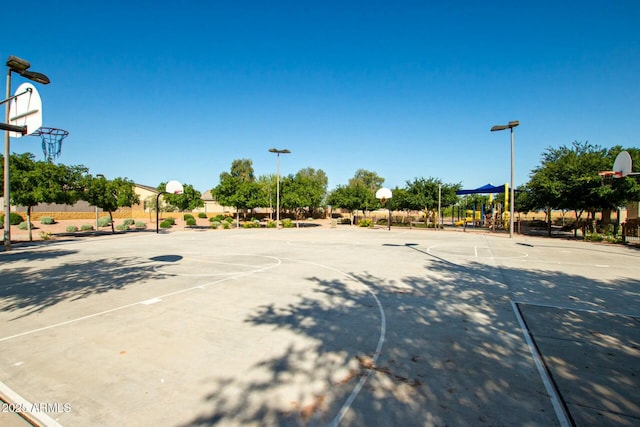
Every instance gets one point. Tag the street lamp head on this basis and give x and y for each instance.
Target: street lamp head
(274, 150)
(511, 125)
(36, 77)
(17, 64)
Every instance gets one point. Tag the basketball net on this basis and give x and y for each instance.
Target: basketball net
(51, 142)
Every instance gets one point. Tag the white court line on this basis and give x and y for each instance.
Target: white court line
(383, 330)
(181, 291)
(558, 407)
(584, 310)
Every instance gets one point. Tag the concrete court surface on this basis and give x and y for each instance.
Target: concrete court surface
(318, 326)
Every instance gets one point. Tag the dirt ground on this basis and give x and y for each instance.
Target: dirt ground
(58, 230)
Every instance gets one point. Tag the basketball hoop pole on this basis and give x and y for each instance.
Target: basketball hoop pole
(21, 67)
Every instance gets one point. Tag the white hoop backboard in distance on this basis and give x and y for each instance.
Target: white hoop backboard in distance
(383, 193)
(25, 110)
(174, 187)
(623, 163)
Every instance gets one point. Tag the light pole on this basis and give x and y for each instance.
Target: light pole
(509, 126)
(278, 152)
(97, 228)
(20, 66)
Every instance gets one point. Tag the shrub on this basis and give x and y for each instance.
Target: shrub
(129, 221)
(226, 225)
(86, 227)
(14, 219)
(187, 216)
(170, 220)
(166, 224)
(215, 224)
(104, 221)
(71, 228)
(229, 219)
(593, 237)
(202, 215)
(122, 227)
(141, 224)
(45, 236)
(271, 224)
(368, 222)
(24, 226)
(287, 223)
(191, 221)
(47, 220)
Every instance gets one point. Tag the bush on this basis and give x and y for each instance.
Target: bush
(287, 223)
(368, 222)
(226, 225)
(45, 236)
(271, 224)
(128, 222)
(71, 228)
(47, 220)
(229, 219)
(141, 224)
(104, 221)
(170, 220)
(86, 227)
(24, 226)
(166, 223)
(14, 219)
(191, 222)
(122, 227)
(202, 215)
(215, 224)
(187, 216)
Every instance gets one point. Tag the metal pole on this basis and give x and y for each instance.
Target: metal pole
(278, 194)
(513, 200)
(7, 154)
(439, 204)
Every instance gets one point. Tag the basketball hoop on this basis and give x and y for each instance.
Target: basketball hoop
(51, 141)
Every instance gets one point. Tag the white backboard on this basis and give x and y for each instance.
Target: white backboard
(25, 109)
(622, 164)
(174, 187)
(383, 193)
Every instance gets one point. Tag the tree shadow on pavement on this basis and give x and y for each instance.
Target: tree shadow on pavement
(453, 353)
(31, 287)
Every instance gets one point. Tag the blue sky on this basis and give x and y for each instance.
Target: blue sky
(159, 90)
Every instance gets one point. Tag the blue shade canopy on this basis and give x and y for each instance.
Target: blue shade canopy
(485, 189)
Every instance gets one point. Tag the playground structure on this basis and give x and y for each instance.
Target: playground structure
(494, 216)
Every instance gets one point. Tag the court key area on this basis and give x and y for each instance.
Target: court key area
(320, 326)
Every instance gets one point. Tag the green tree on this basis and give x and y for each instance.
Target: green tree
(568, 179)
(303, 192)
(423, 194)
(238, 188)
(34, 182)
(109, 195)
(352, 198)
(368, 179)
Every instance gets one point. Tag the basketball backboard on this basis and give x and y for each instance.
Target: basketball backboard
(622, 166)
(174, 187)
(25, 109)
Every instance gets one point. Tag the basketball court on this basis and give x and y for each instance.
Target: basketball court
(319, 326)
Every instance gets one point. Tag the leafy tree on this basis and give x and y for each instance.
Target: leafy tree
(352, 198)
(303, 192)
(109, 195)
(190, 198)
(568, 179)
(238, 188)
(423, 194)
(34, 182)
(368, 179)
